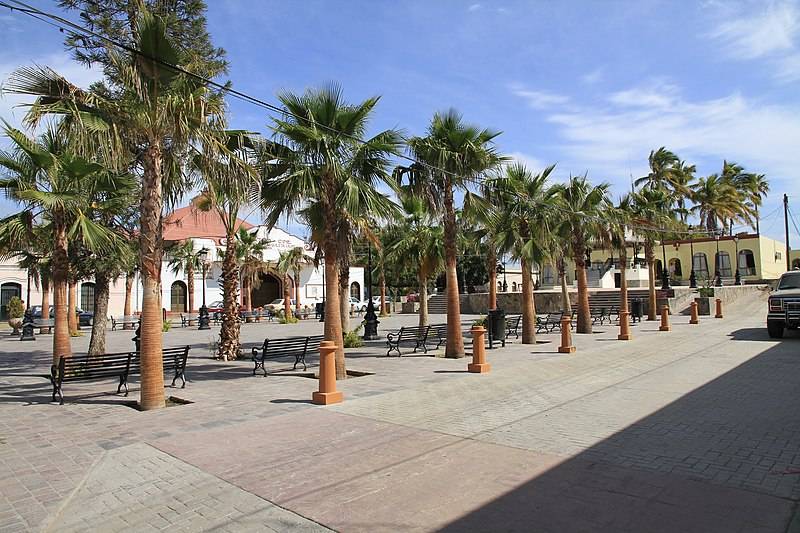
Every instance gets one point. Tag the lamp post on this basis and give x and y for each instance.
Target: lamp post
(505, 285)
(370, 319)
(717, 276)
(664, 271)
(738, 276)
(322, 307)
(204, 318)
(692, 275)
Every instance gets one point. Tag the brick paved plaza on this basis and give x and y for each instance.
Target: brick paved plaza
(691, 430)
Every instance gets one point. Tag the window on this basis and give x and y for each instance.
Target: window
(658, 268)
(700, 265)
(548, 278)
(723, 263)
(178, 297)
(87, 297)
(355, 290)
(796, 264)
(513, 286)
(746, 263)
(675, 268)
(8, 291)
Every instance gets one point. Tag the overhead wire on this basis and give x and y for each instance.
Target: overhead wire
(81, 31)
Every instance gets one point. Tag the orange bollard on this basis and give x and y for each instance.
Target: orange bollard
(719, 309)
(478, 364)
(664, 319)
(624, 326)
(327, 393)
(566, 336)
(694, 319)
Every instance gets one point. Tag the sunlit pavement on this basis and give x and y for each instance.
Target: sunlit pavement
(691, 430)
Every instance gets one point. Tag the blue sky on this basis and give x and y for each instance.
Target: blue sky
(591, 86)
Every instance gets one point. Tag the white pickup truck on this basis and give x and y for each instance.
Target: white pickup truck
(784, 305)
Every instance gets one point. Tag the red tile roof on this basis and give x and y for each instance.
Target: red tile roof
(189, 223)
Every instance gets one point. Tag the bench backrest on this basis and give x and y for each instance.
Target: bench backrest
(43, 322)
(414, 332)
(438, 329)
(83, 367)
(513, 320)
(288, 346)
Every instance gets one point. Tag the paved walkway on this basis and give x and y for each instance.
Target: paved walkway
(692, 430)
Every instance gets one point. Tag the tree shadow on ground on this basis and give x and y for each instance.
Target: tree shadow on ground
(717, 459)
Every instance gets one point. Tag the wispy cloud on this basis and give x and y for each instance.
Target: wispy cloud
(594, 76)
(474, 7)
(770, 33)
(539, 99)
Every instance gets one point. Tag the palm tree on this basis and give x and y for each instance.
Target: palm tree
(295, 260)
(618, 222)
(521, 227)
(652, 215)
(582, 205)
(250, 256)
(415, 240)
(450, 156)
(52, 183)
(184, 258)
(149, 118)
(716, 201)
(320, 160)
(753, 188)
(662, 173)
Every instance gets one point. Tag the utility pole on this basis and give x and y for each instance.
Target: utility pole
(786, 228)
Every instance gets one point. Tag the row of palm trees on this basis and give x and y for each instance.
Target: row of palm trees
(152, 132)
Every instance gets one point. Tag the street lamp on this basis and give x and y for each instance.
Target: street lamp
(717, 276)
(738, 277)
(204, 318)
(370, 319)
(692, 275)
(505, 285)
(664, 271)
(322, 306)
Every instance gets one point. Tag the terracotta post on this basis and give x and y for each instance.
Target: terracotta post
(664, 318)
(624, 326)
(694, 319)
(478, 364)
(327, 393)
(566, 336)
(719, 309)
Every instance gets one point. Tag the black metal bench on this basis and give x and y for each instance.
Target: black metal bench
(438, 332)
(116, 365)
(187, 320)
(512, 325)
(121, 321)
(408, 335)
(44, 323)
(548, 323)
(296, 347)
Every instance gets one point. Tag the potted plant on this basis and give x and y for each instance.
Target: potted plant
(705, 293)
(15, 312)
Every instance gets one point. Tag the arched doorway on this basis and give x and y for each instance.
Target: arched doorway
(355, 291)
(7, 291)
(796, 264)
(177, 300)
(266, 291)
(675, 271)
(747, 263)
(658, 269)
(87, 296)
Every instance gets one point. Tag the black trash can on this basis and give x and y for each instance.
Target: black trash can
(637, 309)
(319, 308)
(496, 326)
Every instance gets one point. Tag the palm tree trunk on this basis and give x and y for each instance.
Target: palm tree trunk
(382, 283)
(72, 317)
(246, 303)
(422, 279)
(62, 346)
(344, 294)
(333, 320)
(584, 324)
(45, 295)
(455, 342)
(528, 305)
(126, 310)
(287, 298)
(297, 290)
(566, 306)
(231, 323)
(97, 342)
(151, 249)
(492, 268)
(651, 281)
(623, 281)
(190, 286)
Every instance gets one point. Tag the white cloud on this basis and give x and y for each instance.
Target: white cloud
(529, 161)
(76, 73)
(474, 7)
(540, 99)
(656, 95)
(594, 76)
(755, 35)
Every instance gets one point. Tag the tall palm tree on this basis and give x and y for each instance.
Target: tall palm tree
(618, 219)
(753, 188)
(184, 258)
(320, 160)
(54, 184)
(451, 156)
(417, 241)
(147, 120)
(652, 215)
(715, 201)
(521, 227)
(250, 256)
(662, 173)
(295, 260)
(290, 261)
(582, 205)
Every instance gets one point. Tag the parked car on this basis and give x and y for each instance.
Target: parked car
(216, 307)
(783, 310)
(357, 304)
(85, 318)
(37, 311)
(277, 305)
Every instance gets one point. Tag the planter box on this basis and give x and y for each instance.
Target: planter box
(703, 305)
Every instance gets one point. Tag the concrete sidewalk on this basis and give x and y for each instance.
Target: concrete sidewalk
(691, 430)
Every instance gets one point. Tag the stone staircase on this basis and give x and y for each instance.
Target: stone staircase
(437, 304)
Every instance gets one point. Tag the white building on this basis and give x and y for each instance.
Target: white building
(206, 231)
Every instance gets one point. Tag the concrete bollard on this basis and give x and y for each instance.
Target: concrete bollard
(694, 319)
(624, 326)
(566, 336)
(664, 318)
(719, 309)
(327, 393)
(478, 364)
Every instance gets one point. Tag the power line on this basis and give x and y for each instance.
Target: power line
(82, 31)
